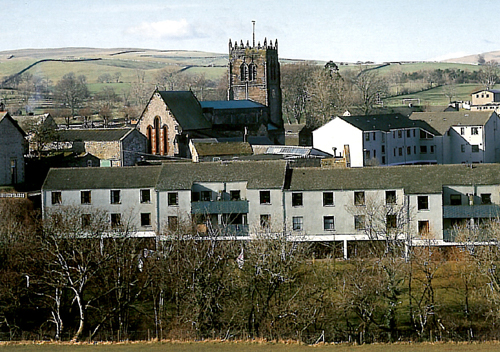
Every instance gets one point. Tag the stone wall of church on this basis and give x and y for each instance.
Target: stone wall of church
(157, 108)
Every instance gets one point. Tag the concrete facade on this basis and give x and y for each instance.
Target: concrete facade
(239, 199)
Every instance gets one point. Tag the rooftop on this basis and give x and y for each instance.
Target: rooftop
(186, 109)
(97, 135)
(442, 121)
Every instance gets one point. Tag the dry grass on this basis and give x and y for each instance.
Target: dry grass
(247, 346)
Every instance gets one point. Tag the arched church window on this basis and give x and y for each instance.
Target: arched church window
(252, 68)
(149, 134)
(158, 135)
(165, 140)
(244, 71)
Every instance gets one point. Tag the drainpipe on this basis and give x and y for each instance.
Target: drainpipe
(158, 220)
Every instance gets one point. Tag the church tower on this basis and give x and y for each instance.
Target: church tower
(254, 74)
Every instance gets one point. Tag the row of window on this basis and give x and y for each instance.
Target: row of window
(115, 197)
(456, 199)
(474, 148)
(422, 135)
(329, 222)
(473, 130)
(116, 220)
(206, 196)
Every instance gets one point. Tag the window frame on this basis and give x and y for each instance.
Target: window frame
(297, 199)
(115, 196)
(265, 221)
(422, 202)
(297, 223)
(328, 202)
(391, 197)
(455, 199)
(206, 196)
(423, 227)
(235, 195)
(391, 221)
(359, 222)
(265, 197)
(86, 197)
(173, 223)
(328, 223)
(86, 221)
(486, 198)
(145, 199)
(173, 199)
(115, 220)
(146, 220)
(56, 197)
(359, 198)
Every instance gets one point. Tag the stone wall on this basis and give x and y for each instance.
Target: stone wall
(157, 108)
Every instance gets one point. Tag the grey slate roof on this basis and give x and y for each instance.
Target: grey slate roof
(186, 109)
(96, 135)
(385, 123)
(6, 115)
(496, 91)
(231, 104)
(423, 179)
(102, 178)
(442, 121)
(258, 174)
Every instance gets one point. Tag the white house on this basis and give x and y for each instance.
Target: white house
(377, 140)
(423, 138)
(243, 198)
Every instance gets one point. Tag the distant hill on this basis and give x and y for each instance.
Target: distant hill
(472, 59)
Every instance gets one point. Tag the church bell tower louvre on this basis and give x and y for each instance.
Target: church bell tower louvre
(254, 74)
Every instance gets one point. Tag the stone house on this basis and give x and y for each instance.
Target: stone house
(13, 147)
(486, 99)
(113, 146)
(169, 120)
(211, 149)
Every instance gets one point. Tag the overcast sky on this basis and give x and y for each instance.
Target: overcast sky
(338, 30)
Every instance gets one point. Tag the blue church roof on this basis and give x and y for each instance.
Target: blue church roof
(231, 104)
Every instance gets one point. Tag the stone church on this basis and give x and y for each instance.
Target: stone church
(253, 108)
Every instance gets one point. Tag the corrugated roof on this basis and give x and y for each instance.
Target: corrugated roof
(442, 121)
(257, 174)
(231, 104)
(385, 123)
(227, 148)
(96, 135)
(414, 179)
(186, 109)
(102, 178)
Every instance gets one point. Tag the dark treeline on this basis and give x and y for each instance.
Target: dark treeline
(74, 278)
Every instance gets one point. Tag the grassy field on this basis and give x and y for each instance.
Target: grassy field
(251, 347)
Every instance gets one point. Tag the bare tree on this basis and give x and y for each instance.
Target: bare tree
(370, 87)
(72, 91)
(72, 242)
(488, 74)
